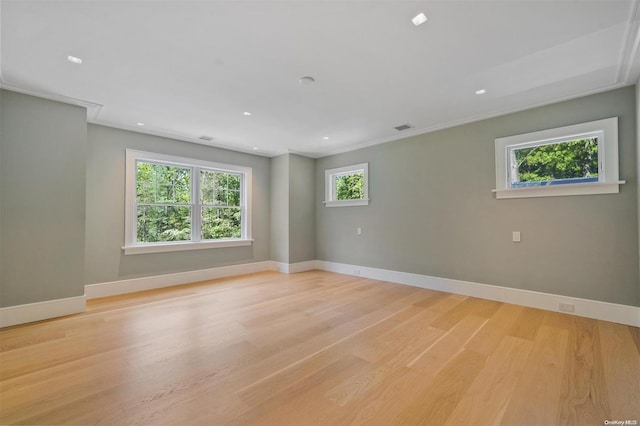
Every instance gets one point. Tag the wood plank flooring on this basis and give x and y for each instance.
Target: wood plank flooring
(316, 348)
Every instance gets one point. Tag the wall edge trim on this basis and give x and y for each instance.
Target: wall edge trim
(606, 311)
(38, 311)
(132, 285)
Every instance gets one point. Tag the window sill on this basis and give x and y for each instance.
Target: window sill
(560, 190)
(159, 248)
(347, 203)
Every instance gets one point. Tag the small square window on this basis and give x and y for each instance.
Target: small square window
(347, 186)
(574, 160)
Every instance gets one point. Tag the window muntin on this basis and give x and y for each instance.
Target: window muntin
(175, 203)
(556, 162)
(347, 186)
(580, 159)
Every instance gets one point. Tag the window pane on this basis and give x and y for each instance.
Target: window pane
(172, 184)
(157, 183)
(145, 183)
(163, 223)
(233, 198)
(221, 222)
(350, 187)
(234, 182)
(219, 189)
(567, 162)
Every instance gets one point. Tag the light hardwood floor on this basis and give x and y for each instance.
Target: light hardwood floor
(316, 348)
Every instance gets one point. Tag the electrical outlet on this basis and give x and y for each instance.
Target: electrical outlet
(515, 236)
(356, 272)
(566, 307)
(358, 231)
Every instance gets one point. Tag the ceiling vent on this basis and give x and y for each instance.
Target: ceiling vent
(403, 127)
(205, 138)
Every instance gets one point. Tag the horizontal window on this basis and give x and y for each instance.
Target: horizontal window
(175, 203)
(573, 160)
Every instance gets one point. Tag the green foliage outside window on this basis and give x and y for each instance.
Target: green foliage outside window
(567, 160)
(163, 195)
(221, 190)
(350, 187)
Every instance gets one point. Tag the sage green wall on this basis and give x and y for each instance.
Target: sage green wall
(42, 193)
(432, 211)
(292, 208)
(302, 229)
(105, 260)
(280, 208)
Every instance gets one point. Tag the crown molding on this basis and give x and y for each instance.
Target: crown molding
(468, 120)
(93, 108)
(629, 53)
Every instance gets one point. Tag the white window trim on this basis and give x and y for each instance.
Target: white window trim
(330, 185)
(608, 176)
(131, 246)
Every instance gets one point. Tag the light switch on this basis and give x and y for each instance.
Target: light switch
(358, 231)
(516, 236)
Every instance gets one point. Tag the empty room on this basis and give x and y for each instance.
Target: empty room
(319, 212)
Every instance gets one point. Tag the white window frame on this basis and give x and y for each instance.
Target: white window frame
(330, 176)
(608, 178)
(132, 246)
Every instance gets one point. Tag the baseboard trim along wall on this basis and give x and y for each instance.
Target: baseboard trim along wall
(30, 312)
(294, 268)
(622, 314)
(113, 288)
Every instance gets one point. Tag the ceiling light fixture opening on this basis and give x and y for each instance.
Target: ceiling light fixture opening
(326, 138)
(481, 92)
(74, 59)
(140, 124)
(255, 148)
(419, 19)
(247, 113)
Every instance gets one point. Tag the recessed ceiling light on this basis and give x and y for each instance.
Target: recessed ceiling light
(255, 148)
(247, 113)
(74, 59)
(326, 138)
(419, 19)
(481, 92)
(140, 124)
(307, 81)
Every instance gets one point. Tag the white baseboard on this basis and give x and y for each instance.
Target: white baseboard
(113, 288)
(623, 314)
(294, 268)
(30, 312)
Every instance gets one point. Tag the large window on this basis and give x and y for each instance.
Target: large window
(573, 160)
(175, 203)
(347, 186)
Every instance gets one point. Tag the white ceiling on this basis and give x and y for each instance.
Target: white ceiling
(192, 68)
